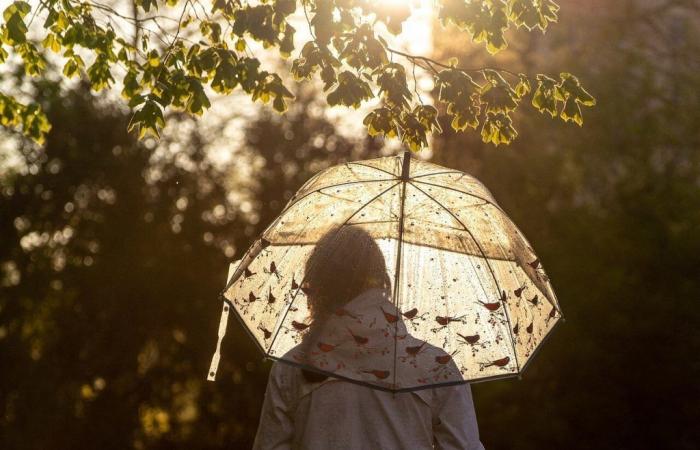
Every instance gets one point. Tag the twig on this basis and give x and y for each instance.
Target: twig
(432, 62)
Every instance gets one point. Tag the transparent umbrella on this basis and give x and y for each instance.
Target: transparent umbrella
(466, 300)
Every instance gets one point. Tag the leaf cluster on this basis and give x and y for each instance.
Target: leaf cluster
(348, 50)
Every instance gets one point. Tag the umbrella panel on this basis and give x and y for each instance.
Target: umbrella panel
(470, 294)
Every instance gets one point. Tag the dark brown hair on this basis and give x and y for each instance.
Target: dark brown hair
(345, 263)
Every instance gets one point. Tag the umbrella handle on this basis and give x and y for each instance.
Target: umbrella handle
(214, 366)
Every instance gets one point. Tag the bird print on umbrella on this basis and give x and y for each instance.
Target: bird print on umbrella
(465, 282)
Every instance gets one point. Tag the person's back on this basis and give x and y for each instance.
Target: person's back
(353, 333)
(336, 414)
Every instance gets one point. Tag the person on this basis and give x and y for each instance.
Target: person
(305, 408)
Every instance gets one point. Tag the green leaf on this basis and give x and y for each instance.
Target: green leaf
(461, 94)
(427, 115)
(137, 100)
(148, 120)
(198, 100)
(50, 42)
(30, 118)
(498, 129)
(573, 95)
(380, 122)
(532, 14)
(350, 91)
(391, 79)
(154, 58)
(497, 93)
(544, 98)
(34, 62)
(15, 29)
(99, 73)
(523, 87)
(279, 104)
(571, 111)
(70, 69)
(147, 4)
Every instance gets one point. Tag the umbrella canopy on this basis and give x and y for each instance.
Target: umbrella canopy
(456, 293)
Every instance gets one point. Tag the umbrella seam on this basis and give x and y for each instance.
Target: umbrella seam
(371, 167)
(436, 173)
(346, 183)
(495, 205)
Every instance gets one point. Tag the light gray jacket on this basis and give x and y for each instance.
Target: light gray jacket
(339, 415)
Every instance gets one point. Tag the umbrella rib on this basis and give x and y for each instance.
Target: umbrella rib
(289, 306)
(485, 200)
(250, 250)
(542, 288)
(436, 173)
(339, 198)
(371, 167)
(346, 183)
(546, 294)
(344, 199)
(493, 275)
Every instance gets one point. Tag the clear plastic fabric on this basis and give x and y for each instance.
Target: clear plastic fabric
(467, 298)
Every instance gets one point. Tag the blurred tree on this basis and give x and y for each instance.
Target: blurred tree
(614, 215)
(101, 332)
(112, 256)
(166, 53)
(286, 151)
(113, 251)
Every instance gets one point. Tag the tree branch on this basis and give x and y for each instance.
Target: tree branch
(431, 62)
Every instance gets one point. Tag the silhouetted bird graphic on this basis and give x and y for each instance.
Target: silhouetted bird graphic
(414, 350)
(410, 314)
(326, 347)
(470, 339)
(342, 312)
(444, 320)
(299, 326)
(443, 359)
(359, 340)
(381, 374)
(273, 270)
(267, 333)
(491, 306)
(391, 318)
(498, 363)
